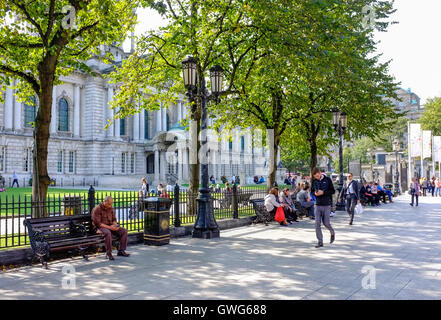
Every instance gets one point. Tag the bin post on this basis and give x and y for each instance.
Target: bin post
(157, 221)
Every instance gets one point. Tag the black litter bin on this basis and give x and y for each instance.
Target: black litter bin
(157, 221)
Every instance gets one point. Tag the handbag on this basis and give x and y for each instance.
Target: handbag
(280, 215)
(359, 208)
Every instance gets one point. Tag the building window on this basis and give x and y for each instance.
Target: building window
(242, 143)
(122, 127)
(146, 125)
(2, 159)
(27, 156)
(150, 164)
(60, 162)
(30, 113)
(71, 161)
(132, 163)
(63, 115)
(230, 144)
(123, 162)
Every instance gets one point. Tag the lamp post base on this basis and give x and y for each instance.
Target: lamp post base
(205, 226)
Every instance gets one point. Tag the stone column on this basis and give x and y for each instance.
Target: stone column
(17, 114)
(185, 171)
(142, 125)
(164, 119)
(179, 111)
(181, 147)
(136, 127)
(156, 165)
(53, 127)
(111, 129)
(77, 101)
(163, 166)
(9, 109)
(159, 120)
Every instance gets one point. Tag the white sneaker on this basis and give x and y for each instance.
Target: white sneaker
(332, 214)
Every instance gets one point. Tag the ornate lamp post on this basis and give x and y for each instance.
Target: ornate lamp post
(205, 226)
(396, 148)
(340, 122)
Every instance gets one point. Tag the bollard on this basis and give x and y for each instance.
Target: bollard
(176, 203)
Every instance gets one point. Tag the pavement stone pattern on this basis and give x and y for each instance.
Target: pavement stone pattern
(398, 243)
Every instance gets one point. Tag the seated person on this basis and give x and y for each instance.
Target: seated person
(366, 195)
(262, 180)
(305, 200)
(290, 210)
(389, 193)
(374, 191)
(272, 203)
(381, 193)
(104, 221)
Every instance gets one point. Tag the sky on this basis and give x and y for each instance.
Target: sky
(412, 44)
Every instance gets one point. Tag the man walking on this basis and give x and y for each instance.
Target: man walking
(351, 194)
(15, 180)
(323, 189)
(104, 220)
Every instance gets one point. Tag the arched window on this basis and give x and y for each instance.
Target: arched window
(30, 113)
(150, 164)
(63, 115)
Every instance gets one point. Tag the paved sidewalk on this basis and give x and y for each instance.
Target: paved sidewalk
(400, 243)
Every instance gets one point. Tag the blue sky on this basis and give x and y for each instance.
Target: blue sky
(412, 44)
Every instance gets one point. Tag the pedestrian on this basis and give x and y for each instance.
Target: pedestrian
(323, 189)
(415, 191)
(15, 180)
(104, 222)
(424, 185)
(144, 191)
(272, 203)
(437, 188)
(433, 185)
(351, 194)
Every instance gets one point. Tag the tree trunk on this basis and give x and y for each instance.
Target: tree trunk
(313, 155)
(272, 165)
(41, 180)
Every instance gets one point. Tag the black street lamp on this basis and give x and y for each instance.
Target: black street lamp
(396, 146)
(340, 122)
(205, 226)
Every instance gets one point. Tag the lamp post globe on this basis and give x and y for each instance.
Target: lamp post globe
(216, 79)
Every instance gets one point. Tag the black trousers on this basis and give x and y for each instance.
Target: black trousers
(351, 202)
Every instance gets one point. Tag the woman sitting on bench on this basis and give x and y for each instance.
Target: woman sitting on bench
(272, 203)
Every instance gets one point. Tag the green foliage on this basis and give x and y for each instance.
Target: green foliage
(431, 119)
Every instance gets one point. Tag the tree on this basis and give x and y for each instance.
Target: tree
(206, 30)
(430, 119)
(315, 59)
(42, 40)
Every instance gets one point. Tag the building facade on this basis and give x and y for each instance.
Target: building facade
(82, 151)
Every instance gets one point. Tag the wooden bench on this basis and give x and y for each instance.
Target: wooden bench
(61, 233)
(262, 215)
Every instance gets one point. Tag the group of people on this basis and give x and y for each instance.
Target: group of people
(432, 186)
(419, 187)
(372, 192)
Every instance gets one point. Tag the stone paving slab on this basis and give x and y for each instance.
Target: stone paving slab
(400, 243)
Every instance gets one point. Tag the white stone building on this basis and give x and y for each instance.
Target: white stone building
(82, 152)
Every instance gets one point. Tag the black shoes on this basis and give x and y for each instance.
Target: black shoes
(319, 245)
(109, 256)
(332, 238)
(122, 253)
